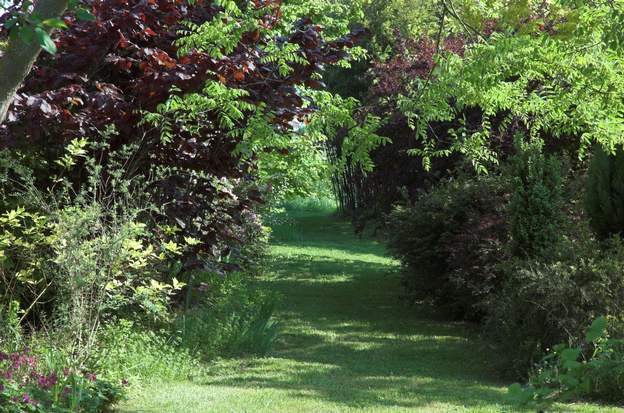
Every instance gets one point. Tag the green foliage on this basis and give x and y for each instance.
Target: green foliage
(231, 318)
(10, 326)
(128, 351)
(605, 192)
(546, 302)
(25, 25)
(290, 161)
(536, 205)
(89, 265)
(562, 82)
(593, 370)
(335, 17)
(72, 258)
(341, 117)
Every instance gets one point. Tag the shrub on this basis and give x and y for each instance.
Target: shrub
(10, 328)
(546, 302)
(80, 258)
(449, 241)
(605, 192)
(593, 370)
(536, 204)
(79, 265)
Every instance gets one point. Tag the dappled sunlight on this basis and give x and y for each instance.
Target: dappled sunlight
(319, 254)
(348, 343)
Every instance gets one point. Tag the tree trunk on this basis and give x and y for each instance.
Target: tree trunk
(19, 57)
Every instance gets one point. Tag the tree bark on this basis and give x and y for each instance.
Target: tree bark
(19, 57)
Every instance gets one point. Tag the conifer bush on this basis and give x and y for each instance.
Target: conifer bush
(536, 204)
(605, 192)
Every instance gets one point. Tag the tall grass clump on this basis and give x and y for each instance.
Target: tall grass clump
(230, 318)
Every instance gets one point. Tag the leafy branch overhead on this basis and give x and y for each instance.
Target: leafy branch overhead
(550, 72)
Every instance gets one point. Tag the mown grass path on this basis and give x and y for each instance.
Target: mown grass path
(347, 344)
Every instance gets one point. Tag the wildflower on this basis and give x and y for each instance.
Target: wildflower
(90, 377)
(42, 382)
(47, 382)
(52, 379)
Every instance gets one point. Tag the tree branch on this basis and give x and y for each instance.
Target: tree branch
(19, 57)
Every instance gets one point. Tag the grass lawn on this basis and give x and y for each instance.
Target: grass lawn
(347, 344)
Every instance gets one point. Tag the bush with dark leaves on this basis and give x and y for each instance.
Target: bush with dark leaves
(449, 242)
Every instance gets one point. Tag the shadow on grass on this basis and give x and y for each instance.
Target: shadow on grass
(348, 339)
(354, 365)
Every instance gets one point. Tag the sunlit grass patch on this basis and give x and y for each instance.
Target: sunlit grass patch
(347, 343)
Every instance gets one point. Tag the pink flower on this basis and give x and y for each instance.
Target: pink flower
(47, 382)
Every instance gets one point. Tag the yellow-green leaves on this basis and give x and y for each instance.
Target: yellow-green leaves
(77, 148)
(172, 248)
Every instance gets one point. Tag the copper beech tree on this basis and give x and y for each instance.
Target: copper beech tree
(128, 61)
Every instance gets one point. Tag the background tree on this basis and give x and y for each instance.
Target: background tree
(29, 26)
(605, 192)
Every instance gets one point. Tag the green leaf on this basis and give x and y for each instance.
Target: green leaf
(84, 14)
(519, 394)
(572, 365)
(55, 23)
(26, 34)
(10, 23)
(596, 330)
(45, 41)
(570, 355)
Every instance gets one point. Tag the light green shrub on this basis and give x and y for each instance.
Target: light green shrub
(128, 351)
(592, 370)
